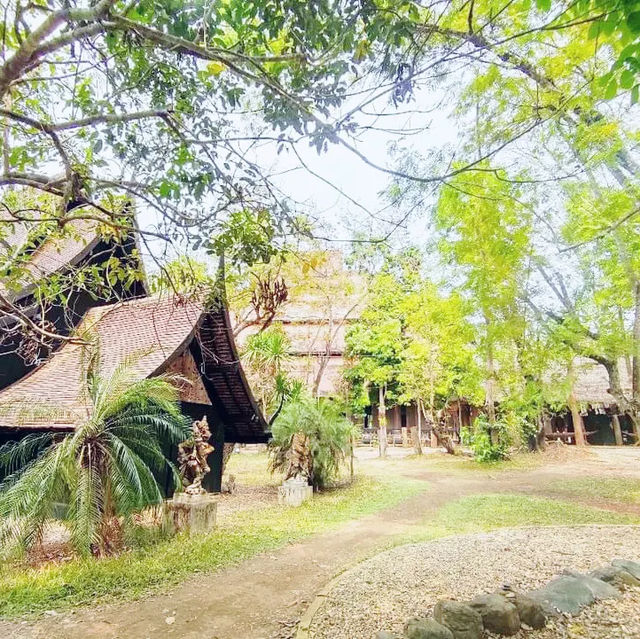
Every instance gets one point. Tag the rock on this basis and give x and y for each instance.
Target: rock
(616, 575)
(498, 614)
(564, 594)
(632, 567)
(531, 612)
(462, 620)
(383, 634)
(599, 588)
(416, 628)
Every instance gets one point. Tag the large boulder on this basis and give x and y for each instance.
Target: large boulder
(498, 614)
(462, 620)
(383, 634)
(417, 628)
(530, 611)
(564, 594)
(600, 589)
(632, 567)
(615, 575)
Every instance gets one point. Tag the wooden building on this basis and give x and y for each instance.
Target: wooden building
(39, 257)
(603, 423)
(158, 334)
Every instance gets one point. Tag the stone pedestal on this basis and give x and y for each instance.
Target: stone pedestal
(294, 492)
(193, 513)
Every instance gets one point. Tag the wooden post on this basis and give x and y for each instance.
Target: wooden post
(617, 431)
(405, 437)
(353, 439)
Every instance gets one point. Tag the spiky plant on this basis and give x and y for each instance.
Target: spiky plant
(326, 434)
(102, 472)
(266, 355)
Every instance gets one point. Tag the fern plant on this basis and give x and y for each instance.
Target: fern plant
(102, 473)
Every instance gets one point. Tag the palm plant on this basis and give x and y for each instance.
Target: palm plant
(103, 471)
(327, 436)
(266, 354)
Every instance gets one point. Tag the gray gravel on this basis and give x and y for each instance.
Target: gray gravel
(383, 591)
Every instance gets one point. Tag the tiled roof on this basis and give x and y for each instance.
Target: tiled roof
(151, 331)
(147, 330)
(53, 254)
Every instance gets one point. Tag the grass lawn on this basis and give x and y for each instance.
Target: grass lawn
(479, 513)
(251, 469)
(442, 462)
(25, 591)
(624, 490)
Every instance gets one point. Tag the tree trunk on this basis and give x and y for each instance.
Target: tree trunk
(617, 431)
(440, 431)
(490, 399)
(576, 418)
(417, 433)
(227, 451)
(382, 422)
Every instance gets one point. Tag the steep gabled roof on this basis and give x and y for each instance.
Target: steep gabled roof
(153, 331)
(591, 384)
(55, 254)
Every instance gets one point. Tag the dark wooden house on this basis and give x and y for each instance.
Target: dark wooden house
(40, 257)
(157, 335)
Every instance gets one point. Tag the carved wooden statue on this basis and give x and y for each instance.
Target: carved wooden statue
(192, 457)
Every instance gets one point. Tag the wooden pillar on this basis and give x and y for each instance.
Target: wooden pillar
(617, 431)
(405, 437)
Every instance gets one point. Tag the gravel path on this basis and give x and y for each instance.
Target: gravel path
(382, 592)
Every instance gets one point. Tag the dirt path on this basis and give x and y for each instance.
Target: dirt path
(262, 598)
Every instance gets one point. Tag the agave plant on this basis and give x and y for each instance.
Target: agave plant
(102, 473)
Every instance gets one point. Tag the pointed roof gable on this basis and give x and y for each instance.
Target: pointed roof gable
(153, 332)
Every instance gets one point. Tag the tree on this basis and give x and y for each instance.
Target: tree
(164, 103)
(104, 471)
(487, 236)
(266, 354)
(376, 342)
(601, 320)
(437, 363)
(312, 284)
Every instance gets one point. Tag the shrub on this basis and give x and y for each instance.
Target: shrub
(328, 435)
(479, 440)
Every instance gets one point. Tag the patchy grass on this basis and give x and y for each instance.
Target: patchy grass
(251, 469)
(442, 462)
(25, 591)
(624, 490)
(479, 513)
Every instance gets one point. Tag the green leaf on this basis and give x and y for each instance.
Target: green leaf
(611, 91)
(543, 5)
(627, 79)
(635, 94)
(633, 21)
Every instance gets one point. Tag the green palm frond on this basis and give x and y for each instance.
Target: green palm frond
(15, 456)
(105, 470)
